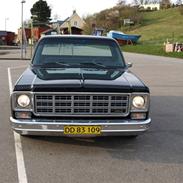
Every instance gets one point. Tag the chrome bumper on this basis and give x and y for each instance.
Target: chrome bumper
(55, 127)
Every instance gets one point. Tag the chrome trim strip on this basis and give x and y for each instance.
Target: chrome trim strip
(80, 122)
(49, 127)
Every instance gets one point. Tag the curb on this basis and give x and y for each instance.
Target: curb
(15, 59)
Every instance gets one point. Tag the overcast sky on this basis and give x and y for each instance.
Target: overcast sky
(11, 10)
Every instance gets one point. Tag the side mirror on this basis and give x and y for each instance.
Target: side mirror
(129, 65)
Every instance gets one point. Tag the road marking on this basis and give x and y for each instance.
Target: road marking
(22, 176)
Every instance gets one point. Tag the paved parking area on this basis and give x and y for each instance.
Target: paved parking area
(154, 157)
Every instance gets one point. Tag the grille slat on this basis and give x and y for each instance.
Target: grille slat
(81, 104)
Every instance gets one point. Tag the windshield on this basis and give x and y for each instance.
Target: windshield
(78, 52)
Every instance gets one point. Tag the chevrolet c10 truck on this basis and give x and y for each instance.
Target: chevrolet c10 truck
(79, 86)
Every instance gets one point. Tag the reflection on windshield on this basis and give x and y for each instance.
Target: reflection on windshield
(77, 73)
(61, 52)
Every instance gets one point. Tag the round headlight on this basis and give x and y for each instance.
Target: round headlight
(138, 102)
(23, 100)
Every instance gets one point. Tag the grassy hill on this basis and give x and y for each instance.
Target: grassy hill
(157, 27)
(160, 25)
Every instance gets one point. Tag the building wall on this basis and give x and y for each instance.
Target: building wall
(10, 38)
(7, 38)
(36, 33)
(27, 34)
(74, 30)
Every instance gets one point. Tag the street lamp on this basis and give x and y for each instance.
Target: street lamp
(22, 30)
(6, 19)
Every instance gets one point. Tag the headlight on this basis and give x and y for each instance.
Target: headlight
(23, 101)
(138, 102)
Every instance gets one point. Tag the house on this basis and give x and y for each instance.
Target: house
(37, 31)
(98, 31)
(49, 32)
(26, 34)
(3, 35)
(56, 23)
(72, 25)
(155, 6)
(7, 38)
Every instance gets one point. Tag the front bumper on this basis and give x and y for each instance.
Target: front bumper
(56, 127)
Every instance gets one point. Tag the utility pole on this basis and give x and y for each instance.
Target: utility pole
(32, 33)
(22, 30)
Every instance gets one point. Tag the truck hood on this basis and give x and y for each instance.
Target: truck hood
(79, 79)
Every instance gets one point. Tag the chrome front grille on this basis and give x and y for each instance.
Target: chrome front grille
(77, 104)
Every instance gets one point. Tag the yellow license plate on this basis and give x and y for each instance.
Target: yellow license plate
(82, 130)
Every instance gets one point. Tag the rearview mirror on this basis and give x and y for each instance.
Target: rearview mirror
(129, 65)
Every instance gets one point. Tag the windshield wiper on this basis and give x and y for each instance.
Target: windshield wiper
(86, 65)
(53, 64)
(99, 65)
(93, 64)
(62, 64)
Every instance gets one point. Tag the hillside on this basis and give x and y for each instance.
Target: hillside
(154, 27)
(159, 25)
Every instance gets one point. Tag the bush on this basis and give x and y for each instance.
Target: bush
(112, 19)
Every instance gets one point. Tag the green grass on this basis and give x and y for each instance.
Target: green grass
(151, 50)
(158, 26)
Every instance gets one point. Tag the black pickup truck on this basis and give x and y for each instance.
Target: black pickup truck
(79, 86)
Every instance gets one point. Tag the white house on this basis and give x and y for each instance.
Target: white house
(73, 24)
(151, 6)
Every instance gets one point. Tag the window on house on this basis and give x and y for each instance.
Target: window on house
(75, 23)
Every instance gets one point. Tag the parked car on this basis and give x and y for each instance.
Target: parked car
(79, 86)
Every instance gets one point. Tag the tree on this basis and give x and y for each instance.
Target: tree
(41, 12)
(89, 24)
(165, 4)
(139, 2)
(121, 2)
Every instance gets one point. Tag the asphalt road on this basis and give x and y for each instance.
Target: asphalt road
(154, 157)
